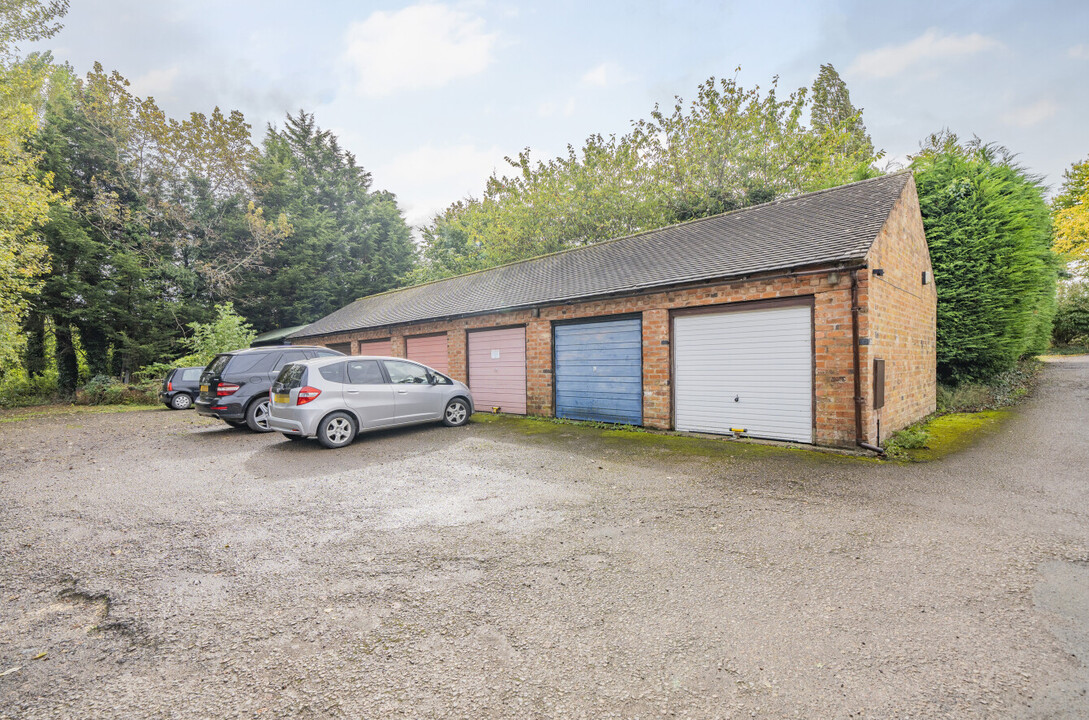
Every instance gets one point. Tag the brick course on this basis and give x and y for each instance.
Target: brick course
(896, 318)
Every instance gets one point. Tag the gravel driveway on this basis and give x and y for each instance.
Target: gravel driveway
(158, 565)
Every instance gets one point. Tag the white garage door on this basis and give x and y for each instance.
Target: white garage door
(750, 369)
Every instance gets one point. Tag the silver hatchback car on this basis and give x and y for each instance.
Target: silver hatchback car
(335, 398)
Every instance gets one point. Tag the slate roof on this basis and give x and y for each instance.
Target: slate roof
(829, 226)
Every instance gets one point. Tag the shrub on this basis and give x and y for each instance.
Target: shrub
(910, 438)
(103, 390)
(1003, 390)
(1072, 315)
(18, 389)
(989, 233)
(229, 331)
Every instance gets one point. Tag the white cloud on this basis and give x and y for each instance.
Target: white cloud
(597, 77)
(1079, 52)
(433, 177)
(604, 75)
(551, 109)
(1030, 115)
(932, 45)
(422, 46)
(155, 83)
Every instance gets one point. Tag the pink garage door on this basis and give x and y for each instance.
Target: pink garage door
(374, 347)
(429, 350)
(497, 369)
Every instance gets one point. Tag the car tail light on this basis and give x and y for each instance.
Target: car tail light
(226, 389)
(170, 386)
(306, 394)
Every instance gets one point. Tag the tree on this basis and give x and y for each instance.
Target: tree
(228, 331)
(193, 177)
(833, 114)
(28, 20)
(728, 148)
(25, 196)
(1070, 211)
(1072, 314)
(989, 233)
(160, 222)
(346, 240)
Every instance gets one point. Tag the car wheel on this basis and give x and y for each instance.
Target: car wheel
(292, 436)
(257, 416)
(457, 413)
(181, 401)
(336, 430)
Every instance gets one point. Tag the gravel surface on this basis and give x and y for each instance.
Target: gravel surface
(158, 565)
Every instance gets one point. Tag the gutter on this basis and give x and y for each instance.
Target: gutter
(855, 309)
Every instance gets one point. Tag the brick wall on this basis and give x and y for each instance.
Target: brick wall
(903, 314)
(833, 379)
(896, 316)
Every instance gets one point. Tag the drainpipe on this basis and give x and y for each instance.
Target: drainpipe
(858, 368)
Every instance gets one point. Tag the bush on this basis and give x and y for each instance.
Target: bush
(1004, 390)
(989, 232)
(910, 438)
(229, 331)
(103, 390)
(1072, 315)
(17, 389)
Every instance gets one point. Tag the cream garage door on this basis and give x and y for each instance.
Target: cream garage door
(750, 369)
(429, 350)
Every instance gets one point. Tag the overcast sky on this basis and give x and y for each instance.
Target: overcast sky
(431, 96)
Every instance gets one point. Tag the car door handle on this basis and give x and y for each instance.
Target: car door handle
(402, 392)
(352, 392)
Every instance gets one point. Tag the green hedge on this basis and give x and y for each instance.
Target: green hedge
(989, 232)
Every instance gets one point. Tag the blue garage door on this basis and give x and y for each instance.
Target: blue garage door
(599, 371)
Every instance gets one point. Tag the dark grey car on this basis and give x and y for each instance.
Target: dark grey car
(234, 387)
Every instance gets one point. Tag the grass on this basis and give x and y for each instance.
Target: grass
(630, 439)
(37, 411)
(964, 415)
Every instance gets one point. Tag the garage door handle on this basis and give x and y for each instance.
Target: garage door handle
(737, 398)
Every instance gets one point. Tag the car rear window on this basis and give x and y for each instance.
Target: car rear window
(334, 373)
(291, 376)
(218, 363)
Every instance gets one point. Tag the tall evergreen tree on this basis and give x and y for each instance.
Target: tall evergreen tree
(989, 233)
(346, 241)
(105, 285)
(833, 113)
